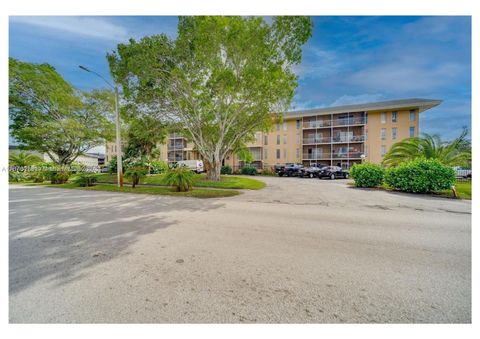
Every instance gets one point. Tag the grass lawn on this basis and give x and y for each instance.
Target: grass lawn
(161, 190)
(227, 181)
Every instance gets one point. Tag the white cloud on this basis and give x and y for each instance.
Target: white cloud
(92, 27)
(357, 99)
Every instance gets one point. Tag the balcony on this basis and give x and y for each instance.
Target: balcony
(327, 156)
(352, 138)
(317, 140)
(317, 124)
(175, 146)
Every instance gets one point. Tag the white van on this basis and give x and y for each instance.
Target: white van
(194, 165)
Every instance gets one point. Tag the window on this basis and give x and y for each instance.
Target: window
(394, 133)
(366, 118)
(284, 125)
(412, 115)
(366, 134)
(278, 153)
(298, 123)
(297, 153)
(265, 156)
(298, 139)
(412, 132)
(265, 139)
(394, 116)
(278, 126)
(285, 154)
(383, 117)
(366, 150)
(278, 139)
(284, 139)
(383, 150)
(383, 133)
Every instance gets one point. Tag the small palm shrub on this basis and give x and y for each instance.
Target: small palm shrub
(158, 167)
(135, 171)
(86, 180)
(249, 170)
(367, 174)
(179, 177)
(226, 170)
(420, 176)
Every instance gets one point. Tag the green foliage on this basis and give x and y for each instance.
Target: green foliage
(249, 170)
(455, 153)
(23, 159)
(420, 176)
(58, 176)
(85, 180)
(245, 155)
(158, 167)
(112, 165)
(48, 115)
(367, 174)
(144, 133)
(220, 78)
(179, 177)
(135, 171)
(226, 170)
(16, 176)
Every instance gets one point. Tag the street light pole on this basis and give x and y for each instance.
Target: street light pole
(117, 126)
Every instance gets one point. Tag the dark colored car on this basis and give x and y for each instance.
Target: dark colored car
(332, 172)
(310, 172)
(290, 170)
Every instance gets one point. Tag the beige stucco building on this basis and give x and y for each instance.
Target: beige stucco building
(341, 135)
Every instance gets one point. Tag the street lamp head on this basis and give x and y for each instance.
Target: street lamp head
(84, 68)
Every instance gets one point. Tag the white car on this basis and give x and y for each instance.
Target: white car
(194, 165)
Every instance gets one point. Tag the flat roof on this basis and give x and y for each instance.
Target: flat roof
(421, 104)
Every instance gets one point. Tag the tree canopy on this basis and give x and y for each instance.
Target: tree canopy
(220, 79)
(50, 116)
(455, 153)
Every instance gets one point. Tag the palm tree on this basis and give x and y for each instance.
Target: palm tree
(23, 159)
(455, 153)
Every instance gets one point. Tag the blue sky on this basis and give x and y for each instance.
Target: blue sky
(347, 60)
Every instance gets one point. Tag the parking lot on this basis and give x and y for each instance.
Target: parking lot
(300, 250)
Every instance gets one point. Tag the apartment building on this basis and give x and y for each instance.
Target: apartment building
(341, 135)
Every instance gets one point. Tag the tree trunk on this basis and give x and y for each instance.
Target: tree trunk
(213, 171)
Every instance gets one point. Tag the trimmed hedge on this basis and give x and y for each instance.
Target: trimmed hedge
(249, 170)
(420, 176)
(367, 175)
(226, 170)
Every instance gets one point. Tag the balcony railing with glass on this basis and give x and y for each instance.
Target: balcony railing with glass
(352, 138)
(335, 122)
(317, 140)
(177, 145)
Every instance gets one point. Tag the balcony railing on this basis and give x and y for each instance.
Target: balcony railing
(327, 140)
(334, 123)
(334, 155)
(176, 146)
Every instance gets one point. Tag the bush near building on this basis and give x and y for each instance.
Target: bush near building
(420, 176)
(249, 170)
(367, 175)
(226, 170)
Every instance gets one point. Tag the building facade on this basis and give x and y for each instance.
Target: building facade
(340, 136)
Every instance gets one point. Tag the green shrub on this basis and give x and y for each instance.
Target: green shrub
(367, 174)
(86, 180)
(226, 170)
(249, 170)
(180, 177)
(135, 171)
(14, 176)
(420, 176)
(58, 176)
(158, 167)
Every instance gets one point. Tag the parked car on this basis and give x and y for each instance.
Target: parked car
(289, 170)
(332, 172)
(462, 172)
(194, 165)
(310, 172)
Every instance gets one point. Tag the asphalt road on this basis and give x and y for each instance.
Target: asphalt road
(299, 251)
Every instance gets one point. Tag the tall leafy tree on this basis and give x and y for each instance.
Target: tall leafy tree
(48, 115)
(143, 135)
(221, 79)
(455, 153)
